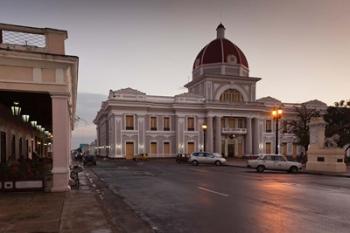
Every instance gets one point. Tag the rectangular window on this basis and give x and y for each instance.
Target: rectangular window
(153, 148)
(241, 123)
(284, 126)
(268, 148)
(129, 122)
(295, 150)
(284, 148)
(190, 124)
(166, 123)
(153, 123)
(240, 149)
(231, 123)
(268, 126)
(166, 148)
(223, 122)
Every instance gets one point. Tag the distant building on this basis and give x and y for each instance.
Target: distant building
(221, 96)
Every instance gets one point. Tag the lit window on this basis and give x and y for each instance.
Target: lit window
(129, 122)
(231, 123)
(231, 96)
(268, 148)
(190, 124)
(166, 148)
(241, 123)
(284, 148)
(153, 148)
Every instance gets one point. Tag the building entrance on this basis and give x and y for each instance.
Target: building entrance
(231, 150)
(190, 147)
(129, 150)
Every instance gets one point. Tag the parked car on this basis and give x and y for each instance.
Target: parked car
(205, 157)
(89, 160)
(142, 156)
(274, 162)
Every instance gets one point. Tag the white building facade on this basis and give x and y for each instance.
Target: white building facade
(221, 96)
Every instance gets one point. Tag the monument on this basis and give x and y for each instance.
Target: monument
(323, 154)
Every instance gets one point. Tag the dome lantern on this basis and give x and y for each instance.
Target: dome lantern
(220, 31)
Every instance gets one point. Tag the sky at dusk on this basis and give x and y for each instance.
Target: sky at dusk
(300, 48)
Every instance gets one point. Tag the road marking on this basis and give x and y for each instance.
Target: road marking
(212, 191)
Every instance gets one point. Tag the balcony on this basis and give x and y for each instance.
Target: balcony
(234, 130)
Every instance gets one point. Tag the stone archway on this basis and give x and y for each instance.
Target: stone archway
(224, 88)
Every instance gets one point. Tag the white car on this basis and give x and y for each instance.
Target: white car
(205, 157)
(274, 162)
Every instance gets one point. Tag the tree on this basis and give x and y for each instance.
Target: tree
(300, 126)
(338, 122)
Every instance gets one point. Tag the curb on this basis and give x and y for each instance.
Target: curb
(302, 172)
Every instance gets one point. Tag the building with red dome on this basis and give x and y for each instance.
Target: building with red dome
(219, 113)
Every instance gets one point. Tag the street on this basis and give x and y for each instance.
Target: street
(175, 197)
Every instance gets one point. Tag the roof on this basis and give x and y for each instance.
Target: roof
(219, 51)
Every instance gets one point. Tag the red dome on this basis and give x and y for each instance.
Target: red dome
(219, 51)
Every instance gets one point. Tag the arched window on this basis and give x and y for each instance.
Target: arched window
(231, 96)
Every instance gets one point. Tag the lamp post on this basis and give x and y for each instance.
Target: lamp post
(204, 127)
(25, 118)
(33, 123)
(276, 115)
(16, 109)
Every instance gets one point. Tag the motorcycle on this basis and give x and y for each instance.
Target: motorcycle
(182, 158)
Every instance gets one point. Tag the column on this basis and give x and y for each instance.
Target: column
(180, 128)
(112, 151)
(218, 135)
(256, 136)
(118, 135)
(61, 143)
(248, 143)
(209, 139)
(201, 134)
(141, 134)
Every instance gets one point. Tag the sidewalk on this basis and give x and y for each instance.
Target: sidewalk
(243, 164)
(77, 211)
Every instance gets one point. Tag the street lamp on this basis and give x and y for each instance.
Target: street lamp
(204, 127)
(25, 118)
(16, 109)
(276, 115)
(33, 123)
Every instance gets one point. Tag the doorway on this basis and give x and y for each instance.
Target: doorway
(129, 150)
(190, 147)
(3, 147)
(231, 150)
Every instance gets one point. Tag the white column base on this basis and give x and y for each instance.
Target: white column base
(60, 179)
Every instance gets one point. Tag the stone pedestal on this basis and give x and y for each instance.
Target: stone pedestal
(326, 160)
(319, 157)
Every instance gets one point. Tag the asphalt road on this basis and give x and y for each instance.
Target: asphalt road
(181, 198)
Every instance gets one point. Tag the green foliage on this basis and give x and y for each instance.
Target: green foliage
(338, 122)
(300, 126)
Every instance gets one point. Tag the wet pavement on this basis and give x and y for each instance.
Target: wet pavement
(180, 198)
(77, 211)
